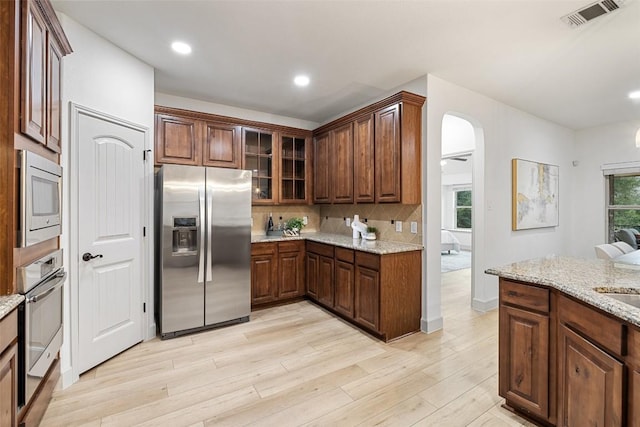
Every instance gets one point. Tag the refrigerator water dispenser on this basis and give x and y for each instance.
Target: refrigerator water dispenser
(185, 236)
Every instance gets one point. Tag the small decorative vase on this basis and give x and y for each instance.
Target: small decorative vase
(369, 236)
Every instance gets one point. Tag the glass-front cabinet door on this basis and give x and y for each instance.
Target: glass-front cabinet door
(293, 170)
(258, 158)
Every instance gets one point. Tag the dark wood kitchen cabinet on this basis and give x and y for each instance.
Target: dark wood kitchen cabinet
(8, 369)
(320, 275)
(524, 347)
(321, 170)
(264, 273)
(291, 270)
(222, 145)
(259, 147)
(333, 177)
(33, 45)
(178, 140)
(279, 157)
(564, 362)
(374, 154)
(277, 272)
(44, 45)
(367, 292)
(344, 281)
(363, 160)
(591, 368)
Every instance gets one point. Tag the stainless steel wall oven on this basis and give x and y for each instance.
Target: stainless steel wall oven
(40, 317)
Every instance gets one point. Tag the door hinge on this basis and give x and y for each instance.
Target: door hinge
(144, 154)
(144, 307)
(144, 231)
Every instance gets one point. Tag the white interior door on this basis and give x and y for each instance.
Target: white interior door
(110, 212)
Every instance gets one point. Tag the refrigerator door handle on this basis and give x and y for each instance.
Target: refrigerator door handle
(202, 226)
(209, 234)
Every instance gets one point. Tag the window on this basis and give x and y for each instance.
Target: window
(623, 203)
(463, 209)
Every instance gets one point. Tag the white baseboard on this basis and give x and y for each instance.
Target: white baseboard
(66, 375)
(429, 326)
(484, 306)
(151, 332)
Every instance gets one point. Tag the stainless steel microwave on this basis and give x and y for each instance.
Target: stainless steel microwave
(40, 199)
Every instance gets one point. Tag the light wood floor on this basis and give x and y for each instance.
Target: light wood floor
(298, 365)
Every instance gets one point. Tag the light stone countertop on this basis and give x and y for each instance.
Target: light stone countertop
(583, 279)
(8, 303)
(373, 246)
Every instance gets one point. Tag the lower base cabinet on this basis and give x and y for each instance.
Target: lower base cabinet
(591, 383)
(8, 369)
(565, 363)
(277, 272)
(379, 293)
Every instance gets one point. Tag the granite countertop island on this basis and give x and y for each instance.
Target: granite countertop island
(583, 279)
(8, 303)
(374, 246)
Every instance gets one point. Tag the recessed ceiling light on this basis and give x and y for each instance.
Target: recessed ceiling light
(301, 80)
(181, 48)
(635, 94)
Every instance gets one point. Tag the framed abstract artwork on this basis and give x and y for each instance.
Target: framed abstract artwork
(534, 197)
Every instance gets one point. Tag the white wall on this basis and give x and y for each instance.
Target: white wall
(594, 147)
(226, 110)
(101, 76)
(502, 133)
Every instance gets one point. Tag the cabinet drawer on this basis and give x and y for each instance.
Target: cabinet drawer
(263, 248)
(345, 255)
(320, 249)
(293, 246)
(526, 296)
(8, 330)
(368, 260)
(600, 329)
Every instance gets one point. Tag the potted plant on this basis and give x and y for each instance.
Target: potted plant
(293, 226)
(371, 233)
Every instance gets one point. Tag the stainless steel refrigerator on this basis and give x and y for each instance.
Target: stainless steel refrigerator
(203, 248)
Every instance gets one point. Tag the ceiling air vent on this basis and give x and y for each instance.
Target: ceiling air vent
(592, 11)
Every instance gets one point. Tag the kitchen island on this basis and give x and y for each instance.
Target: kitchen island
(569, 351)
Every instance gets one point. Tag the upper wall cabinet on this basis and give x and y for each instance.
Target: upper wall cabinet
(383, 165)
(43, 46)
(279, 157)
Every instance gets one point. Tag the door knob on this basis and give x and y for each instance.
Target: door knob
(88, 257)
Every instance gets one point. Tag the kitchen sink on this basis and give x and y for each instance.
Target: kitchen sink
(631, 299)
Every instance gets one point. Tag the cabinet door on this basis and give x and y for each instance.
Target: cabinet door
(325, 281)
(264, 276)
(8, 382)
(342, 169)
(524, 359)
(590, 391)
(177, 140)
(344, 284)
(54, 97)
(291, 274)
(322, 170)
(34, 69)
(221, 146)
(387, 147)
(634, 402)
(367, 301)
(363, 160)
(259, 157)
(293, 170)
(313, 268)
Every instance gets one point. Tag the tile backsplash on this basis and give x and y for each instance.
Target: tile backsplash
(332, 220)
(260, 215)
